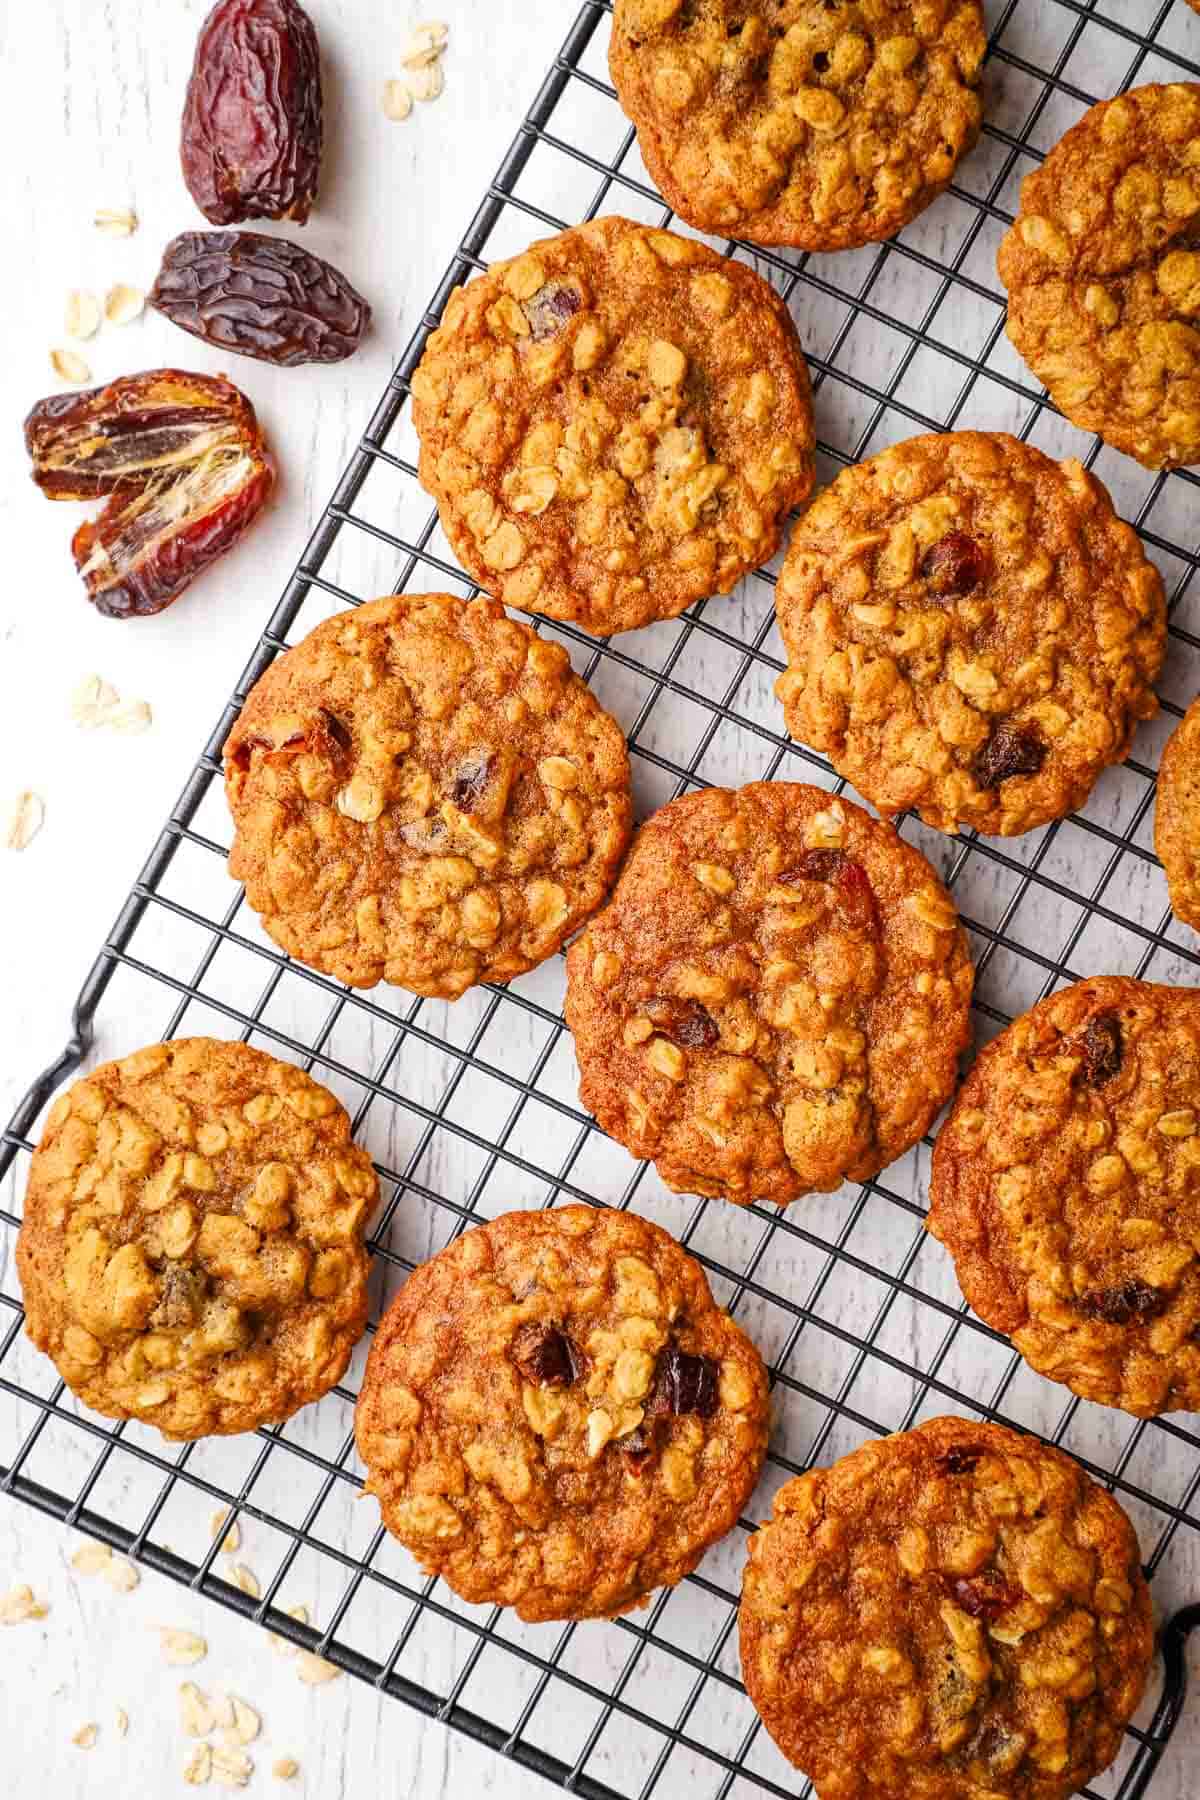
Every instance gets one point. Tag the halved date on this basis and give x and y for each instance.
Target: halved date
(253, 119)
(259, 296)
(182, 460)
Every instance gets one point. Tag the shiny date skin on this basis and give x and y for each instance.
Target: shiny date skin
(253, 118)
(259, 296)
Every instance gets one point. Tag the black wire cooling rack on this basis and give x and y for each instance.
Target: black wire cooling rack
(472, 1108)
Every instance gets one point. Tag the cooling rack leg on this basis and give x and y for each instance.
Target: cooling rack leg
(1175, 1634)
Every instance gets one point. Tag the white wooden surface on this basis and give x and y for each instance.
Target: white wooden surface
(89, 103)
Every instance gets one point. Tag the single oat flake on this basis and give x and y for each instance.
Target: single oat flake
(220, 1522)
(198, 1767)
(122, 304)
(181, 1648)
(69, 367)
(245, 1727)
(18, 1606)
(122, 1721)
(313, 1670)
(246, 1579)
(426, 83)
(90, 1559)
(26, 816)
(121, 1575)
(82, 317)
(96, 702)
(195, 1711)
(232, 1768)
(397, 101)
(116, 221)
(286, 1768)
(86, 1736)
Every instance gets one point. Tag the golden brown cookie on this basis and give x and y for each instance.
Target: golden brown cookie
(1103, 274)
(971, 631)
(1065, 1187)
(424, 792)
(775, 999)
(614, 424)
(954, 1613)
(192, 1248)
(557, 1416)
(796, 121)
(1177, 815)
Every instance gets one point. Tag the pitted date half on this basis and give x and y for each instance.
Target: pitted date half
(259, 296)
(182, 461)
(252, 120)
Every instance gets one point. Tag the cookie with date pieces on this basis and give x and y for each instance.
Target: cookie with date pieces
(797, 121)
(614, 424)
(192, 1253)
(556, 1415)
(1064, 1186)
(1177, 816)
(971, 631)
(424, 792)
(775, 999)
(953, 1613)
(1103, 273)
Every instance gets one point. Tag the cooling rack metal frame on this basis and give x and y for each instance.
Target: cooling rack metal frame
(894, 403)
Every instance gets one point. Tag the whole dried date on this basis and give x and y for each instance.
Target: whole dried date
(260, 296)
(182, 460)
(252, 120)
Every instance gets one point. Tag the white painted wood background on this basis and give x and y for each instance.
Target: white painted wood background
(90, 95)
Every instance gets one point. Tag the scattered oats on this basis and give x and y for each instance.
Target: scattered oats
(69, 367)
(222, 1710)
(116, 221)
(26, 816)
(397, 101)
(246, 1579)
(89, 1559)
(122, 1721)
(232, 1768)
(82, 317)
(86, 1736)
(195, 1710)
(198, 1767)
(121, 1575)
(284, 1646)
(19, 1605)
(233, 1537)
(426, 83)
(313, 1670)
(181, 1648)
(286, 1768)
(122, 304)
(246, 1724)
(91, 699)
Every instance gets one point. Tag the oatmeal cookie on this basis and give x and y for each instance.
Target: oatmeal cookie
(1065, 1187)
(1103, 274)
(775, 999)
(1177, 814)
(954, 1613)
(424, 792)
(971, 631)
(557, 1416)
(192, 1248)
(797, 122)
(614, 425)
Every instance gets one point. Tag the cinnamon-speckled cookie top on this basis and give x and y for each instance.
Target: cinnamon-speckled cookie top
(775, 999)
(556, 1415)
(1065, 1187)
(954, 1613)
(971, 631)
(1103, 274)
(192, 1247)
(614, 424)
(424, 792)
(800, 122)
(1177, 816)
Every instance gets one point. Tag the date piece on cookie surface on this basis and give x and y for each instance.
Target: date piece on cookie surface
(953, 1613)
(1177, 816)
(614, 425)
(775, 999)
(1103, 273)
(1065, 1187)
(557, 1416)
(424, 792)
(797, 122)
(192, 1251)
(971, 631)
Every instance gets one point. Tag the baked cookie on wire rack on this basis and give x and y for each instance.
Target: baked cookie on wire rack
(1177, 814)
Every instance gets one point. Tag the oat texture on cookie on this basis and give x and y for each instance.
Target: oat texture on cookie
(192, 1252)
(614, 424)
(556, 1415)
(971, 631)
(953, 1613)
(1177, 816)
(424, 792)
(796, 121)
(1065, 1187)
(1103, 273)
(775, 999)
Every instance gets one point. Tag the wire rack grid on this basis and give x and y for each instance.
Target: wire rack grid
(471, 1109)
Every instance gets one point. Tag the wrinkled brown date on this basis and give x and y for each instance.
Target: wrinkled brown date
(1102, 1049)
(260, 296)
(1122, 1304)
(953, 566)
(1011, 750)
(182, 460)
(252, 120)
